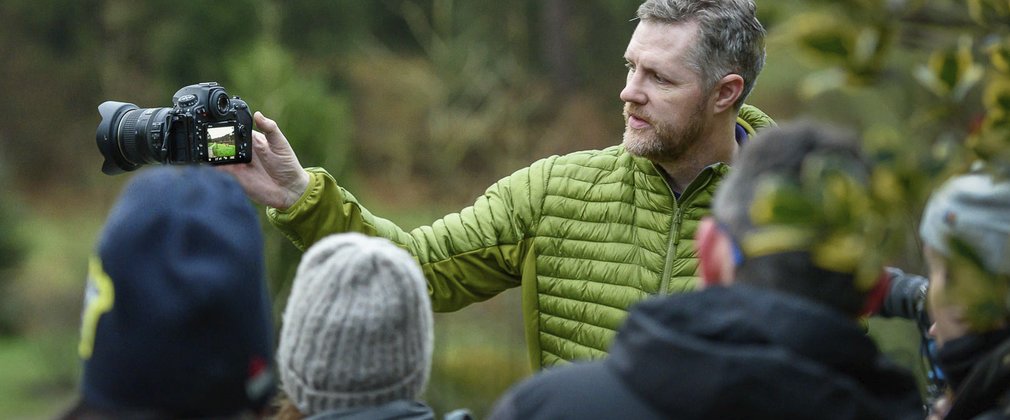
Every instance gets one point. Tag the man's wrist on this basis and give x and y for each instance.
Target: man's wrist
(296, 190)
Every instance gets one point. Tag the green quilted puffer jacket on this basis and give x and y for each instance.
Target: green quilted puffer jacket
(586, 235)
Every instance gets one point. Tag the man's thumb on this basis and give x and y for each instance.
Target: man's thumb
(264, 124)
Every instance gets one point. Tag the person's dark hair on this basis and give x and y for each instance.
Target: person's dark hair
(783, 153)
(793, 272)
(731, 40)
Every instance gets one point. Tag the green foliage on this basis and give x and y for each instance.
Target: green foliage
(13, 248)
(479, 111)
(825, 36)
(221, 149)
(830, 211)
(11, 244)
(63, 25)
(328, 31)
(951, 72)
(855, 45)
(938, 59)
(37, 373)
(989, 12)
(314, 118)
(179, 40)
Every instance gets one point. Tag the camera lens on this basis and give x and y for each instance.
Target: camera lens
(129, 137)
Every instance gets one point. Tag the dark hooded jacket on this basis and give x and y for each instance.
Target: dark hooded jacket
(977, 366)
(724, 353)
(395, 410)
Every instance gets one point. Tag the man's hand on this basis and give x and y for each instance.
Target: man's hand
(274, 177)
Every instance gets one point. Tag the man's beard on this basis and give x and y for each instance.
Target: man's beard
(662, 142)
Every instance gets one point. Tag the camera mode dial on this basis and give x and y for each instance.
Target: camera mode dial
(187, 101)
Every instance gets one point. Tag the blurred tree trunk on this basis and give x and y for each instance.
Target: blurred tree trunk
(557, 48)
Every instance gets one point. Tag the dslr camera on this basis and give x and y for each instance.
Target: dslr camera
(906, 299)
(204, 124)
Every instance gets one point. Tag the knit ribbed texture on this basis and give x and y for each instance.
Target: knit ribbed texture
(974, 208)
(357, 327)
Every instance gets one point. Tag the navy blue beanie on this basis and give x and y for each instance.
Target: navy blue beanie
(177, 318)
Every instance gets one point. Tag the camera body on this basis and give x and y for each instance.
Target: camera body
(204, 125)
(906, 298)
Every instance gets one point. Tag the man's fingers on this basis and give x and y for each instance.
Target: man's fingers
(274, 138)
(265, 124)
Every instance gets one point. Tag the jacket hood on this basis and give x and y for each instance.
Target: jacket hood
(749, 352)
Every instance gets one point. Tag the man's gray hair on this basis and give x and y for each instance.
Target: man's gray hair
(731, 40)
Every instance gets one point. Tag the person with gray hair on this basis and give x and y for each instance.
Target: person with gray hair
(730, 40)
(774, 334)
(357, 334)
(586, 234)
(965, 231)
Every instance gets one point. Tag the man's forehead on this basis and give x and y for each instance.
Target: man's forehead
(655, 39)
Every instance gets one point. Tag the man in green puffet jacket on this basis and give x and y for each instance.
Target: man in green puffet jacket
(586, 234)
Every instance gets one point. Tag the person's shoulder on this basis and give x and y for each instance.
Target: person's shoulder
(583, 389)
(547, 393)
(614, 150)
(610, 157)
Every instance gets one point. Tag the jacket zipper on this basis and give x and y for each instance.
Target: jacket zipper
(678, 218)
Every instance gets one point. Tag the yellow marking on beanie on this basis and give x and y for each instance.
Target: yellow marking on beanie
(99, 299)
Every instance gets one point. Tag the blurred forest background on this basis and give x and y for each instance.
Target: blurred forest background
(417, 106)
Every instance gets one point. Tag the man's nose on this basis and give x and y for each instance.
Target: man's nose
(633, 92)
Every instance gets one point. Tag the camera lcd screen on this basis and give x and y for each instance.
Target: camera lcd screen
(221, 143)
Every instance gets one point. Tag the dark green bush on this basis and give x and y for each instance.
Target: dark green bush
(12, 251)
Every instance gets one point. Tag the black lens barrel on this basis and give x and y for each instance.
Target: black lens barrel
(142, 135)
(130, 137)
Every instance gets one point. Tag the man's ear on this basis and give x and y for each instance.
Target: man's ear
(726, 91)
(715, 259)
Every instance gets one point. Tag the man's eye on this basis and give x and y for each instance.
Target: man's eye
(659, 79)
(631, 67)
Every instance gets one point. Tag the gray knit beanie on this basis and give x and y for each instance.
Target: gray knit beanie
(974, 208)
(357, 327)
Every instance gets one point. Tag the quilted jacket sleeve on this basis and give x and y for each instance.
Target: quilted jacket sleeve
(467, 257)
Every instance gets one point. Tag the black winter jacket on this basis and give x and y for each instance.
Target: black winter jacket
(726, 353)
(978, 366)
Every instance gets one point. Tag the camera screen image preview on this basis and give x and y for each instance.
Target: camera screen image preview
(220, 143)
